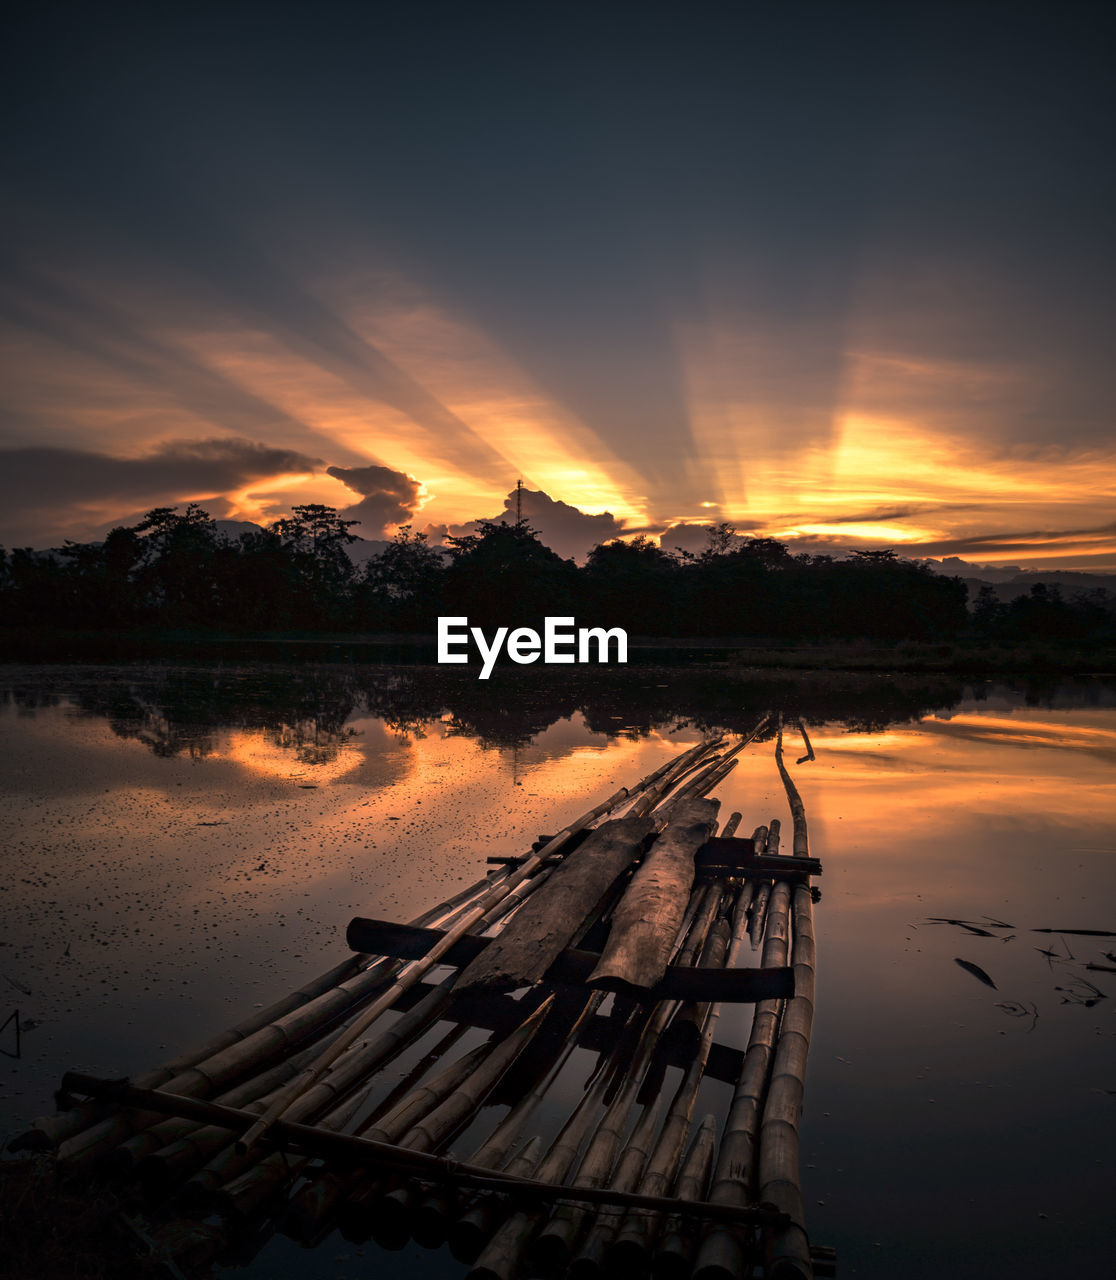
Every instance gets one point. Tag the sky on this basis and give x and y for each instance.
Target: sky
(838, 274)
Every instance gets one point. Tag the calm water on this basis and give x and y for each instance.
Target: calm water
(184, 843)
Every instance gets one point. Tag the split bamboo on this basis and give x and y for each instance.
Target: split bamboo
(646, 922)
(537, 934)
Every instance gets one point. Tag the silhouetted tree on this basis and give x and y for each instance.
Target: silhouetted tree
(504, 576)
(401, 587)
(315, 537)
(631, 584)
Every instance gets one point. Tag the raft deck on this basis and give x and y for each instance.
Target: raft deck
(601, 964)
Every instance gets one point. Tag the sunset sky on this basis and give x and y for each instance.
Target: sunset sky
(837, 273)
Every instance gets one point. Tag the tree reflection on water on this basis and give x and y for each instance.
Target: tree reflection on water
(175, 710)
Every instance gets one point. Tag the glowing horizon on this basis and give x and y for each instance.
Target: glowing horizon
(874, 481)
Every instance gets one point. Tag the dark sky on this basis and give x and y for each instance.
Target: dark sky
(832, 271)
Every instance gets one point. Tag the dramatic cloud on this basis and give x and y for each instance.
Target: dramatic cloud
(565, 529)
(43, 490)
(390, 498)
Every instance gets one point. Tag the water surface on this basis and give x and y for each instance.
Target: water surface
(183, 843)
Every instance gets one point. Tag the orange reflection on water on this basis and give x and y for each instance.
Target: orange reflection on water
(287, 754)
(939, 781)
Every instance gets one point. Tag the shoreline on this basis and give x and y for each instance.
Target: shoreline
(52, 645)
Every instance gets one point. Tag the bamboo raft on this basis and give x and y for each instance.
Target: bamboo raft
(620, 943)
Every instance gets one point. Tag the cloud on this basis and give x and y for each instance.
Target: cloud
(562, 527)
(694, 538)
(51, 493)
(879, 514)
(389, 498)
(1100, 538)
(685, 537)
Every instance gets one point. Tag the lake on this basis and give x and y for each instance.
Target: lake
(184, 843)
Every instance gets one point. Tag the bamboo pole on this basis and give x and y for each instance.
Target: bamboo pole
(761, 897)
(634, 1232)
(556, 1243)
(788, 1252)
(306, 1138)
(49, 1132)
(472, 1230)
(623, 1177)
(798, 810)
(254, 1053)
(722, 1251)
(730, 827)
(779, 1180)
(676, 1246)
(431, 1218)
(439, 1125)
(670, 774)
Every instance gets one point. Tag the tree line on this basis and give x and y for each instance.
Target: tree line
(178, 570)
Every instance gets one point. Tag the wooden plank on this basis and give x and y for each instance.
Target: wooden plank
(645, 925)
(410, 942)
(737, 856)
(537, 933)
(724, 856)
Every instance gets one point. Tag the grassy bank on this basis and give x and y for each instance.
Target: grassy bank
(40, 644)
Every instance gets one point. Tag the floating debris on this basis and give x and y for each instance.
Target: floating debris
(1082, 992)
(962, 924)
(1081, 933)
(976, 971)
(1014, 1009)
